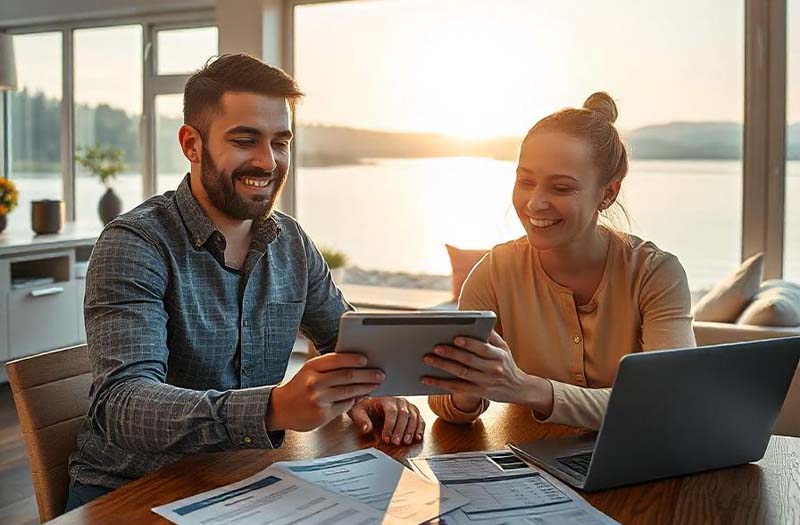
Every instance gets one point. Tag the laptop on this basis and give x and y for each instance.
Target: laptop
(675, 412)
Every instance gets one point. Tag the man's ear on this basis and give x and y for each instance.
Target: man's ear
(191, 143)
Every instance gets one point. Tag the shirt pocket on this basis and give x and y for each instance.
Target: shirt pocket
(283, 325)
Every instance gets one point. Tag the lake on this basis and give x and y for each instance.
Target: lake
(397, 214)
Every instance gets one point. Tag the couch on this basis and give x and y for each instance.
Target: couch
(710, 333)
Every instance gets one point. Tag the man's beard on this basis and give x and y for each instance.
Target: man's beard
(221, 189)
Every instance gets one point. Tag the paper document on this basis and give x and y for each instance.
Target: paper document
(364, 487)
(375, 479)
(504, 489)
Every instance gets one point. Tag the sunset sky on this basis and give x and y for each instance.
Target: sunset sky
(460, 67)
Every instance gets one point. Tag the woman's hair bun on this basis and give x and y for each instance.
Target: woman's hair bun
(602, 104)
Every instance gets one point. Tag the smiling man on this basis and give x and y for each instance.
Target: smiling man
(194, 300)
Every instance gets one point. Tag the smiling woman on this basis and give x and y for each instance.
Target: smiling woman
(591, 294)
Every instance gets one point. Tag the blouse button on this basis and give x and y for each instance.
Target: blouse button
(576, 339)
(579, 377)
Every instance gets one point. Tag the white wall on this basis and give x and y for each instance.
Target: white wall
(15, 13)
(252, 26)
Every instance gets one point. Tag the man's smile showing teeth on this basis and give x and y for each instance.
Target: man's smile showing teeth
(543, 223)
(256, 183)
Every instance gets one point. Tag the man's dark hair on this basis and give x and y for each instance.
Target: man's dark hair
(237, 73)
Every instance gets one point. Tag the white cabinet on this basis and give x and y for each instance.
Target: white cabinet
(4, 278)
(42, 284)
(42, 318)
(40, 296)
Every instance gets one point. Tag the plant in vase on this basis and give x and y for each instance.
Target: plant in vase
(105, 163)
(8, 200)
(337, 261)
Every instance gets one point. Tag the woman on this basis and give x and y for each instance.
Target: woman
(572, 296)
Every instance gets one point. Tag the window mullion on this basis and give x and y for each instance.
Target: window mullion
(764, 133)
(147, 124)
(68, 122)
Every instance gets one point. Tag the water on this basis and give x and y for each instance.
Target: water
(397, 214)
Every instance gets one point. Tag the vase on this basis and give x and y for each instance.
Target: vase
(109, 207)
(3, 223)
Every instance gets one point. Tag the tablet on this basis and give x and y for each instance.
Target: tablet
(396, 343)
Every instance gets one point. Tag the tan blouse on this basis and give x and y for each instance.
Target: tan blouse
(642, 303)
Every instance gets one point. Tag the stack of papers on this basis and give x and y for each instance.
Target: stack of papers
(364, 487)
(503, 489)
(368, 487)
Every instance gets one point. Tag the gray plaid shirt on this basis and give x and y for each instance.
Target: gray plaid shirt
(184, 349)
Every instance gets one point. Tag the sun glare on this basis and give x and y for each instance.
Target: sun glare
(476, 87)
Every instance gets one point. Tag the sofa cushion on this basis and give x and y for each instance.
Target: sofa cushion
(462, 262)
(777, 303)
(725, 302)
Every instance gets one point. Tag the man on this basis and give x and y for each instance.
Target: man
(194, 300)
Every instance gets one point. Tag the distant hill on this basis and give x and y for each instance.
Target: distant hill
(35, 144)
(686, 140)
(327, 145)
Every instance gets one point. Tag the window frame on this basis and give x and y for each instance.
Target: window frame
(764, 126)
(764, 121)
(152, 85)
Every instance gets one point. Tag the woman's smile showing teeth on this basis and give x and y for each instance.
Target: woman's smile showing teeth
(543, 223)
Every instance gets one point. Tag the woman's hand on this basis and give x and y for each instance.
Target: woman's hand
(487, 370)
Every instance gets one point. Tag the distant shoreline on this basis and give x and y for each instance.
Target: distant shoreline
(340, 161)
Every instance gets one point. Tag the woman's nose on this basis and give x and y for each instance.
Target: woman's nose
(537, 201)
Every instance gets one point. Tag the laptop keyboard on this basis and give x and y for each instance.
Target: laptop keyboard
(578, 462)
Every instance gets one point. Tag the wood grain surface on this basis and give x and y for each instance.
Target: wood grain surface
(764, 492)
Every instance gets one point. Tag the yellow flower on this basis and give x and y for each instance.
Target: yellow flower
(8, 196)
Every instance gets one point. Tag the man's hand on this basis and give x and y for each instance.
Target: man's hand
(401, 419)
(325, 387)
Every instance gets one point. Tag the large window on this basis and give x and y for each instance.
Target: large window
(791, 264)
(180, 51)
(120, 97)
(184, 50)
(171, 165)
(34, 127)
(108, 108)
(418, 119)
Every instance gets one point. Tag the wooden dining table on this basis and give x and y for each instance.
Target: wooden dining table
(764, 492)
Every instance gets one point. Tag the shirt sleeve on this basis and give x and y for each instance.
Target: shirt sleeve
(131, 405)
(325, 303)
(477, 294)
(577, 406)
(665, 303)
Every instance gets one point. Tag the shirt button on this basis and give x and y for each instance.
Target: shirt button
(246, 322)
(247, 440)
(579, 377)
(576, 339)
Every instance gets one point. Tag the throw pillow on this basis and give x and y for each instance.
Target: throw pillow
(777, 303)
(726, 301)
(462, 262)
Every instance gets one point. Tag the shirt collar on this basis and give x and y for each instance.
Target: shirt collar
(265, 229)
